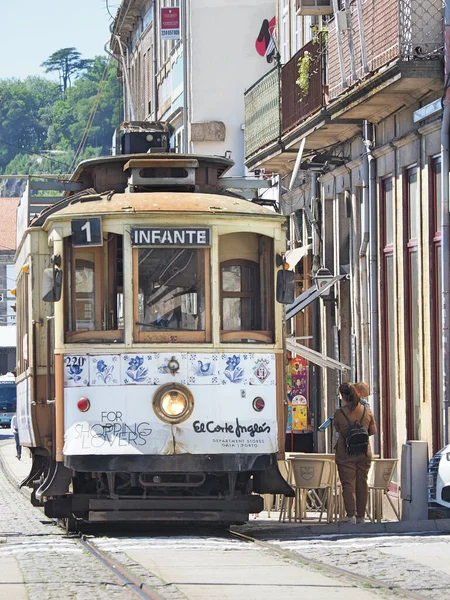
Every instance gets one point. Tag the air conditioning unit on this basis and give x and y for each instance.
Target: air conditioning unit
(314, 7)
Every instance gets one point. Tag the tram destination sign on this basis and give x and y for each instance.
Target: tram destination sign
(170, 236)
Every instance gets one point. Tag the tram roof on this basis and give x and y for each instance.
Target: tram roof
(221, 163)
(161, 202)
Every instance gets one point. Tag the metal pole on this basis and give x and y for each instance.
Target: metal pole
(185, 75)
(445, 154)
(339, 43)
(351, 47)
(362, 40)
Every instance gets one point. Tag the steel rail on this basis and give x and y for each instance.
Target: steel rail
(325, 566)
(131, 582)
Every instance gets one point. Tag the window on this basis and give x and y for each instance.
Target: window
(412, 297)
(94, 291)
(10, 299)
(389, 318)
(436, 295)
(22, 323)
(240, 286)
(172, 295)
(246, 288)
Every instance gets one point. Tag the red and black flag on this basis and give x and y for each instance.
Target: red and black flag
(265, 42)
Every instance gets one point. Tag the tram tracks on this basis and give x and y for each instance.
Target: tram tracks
(141, 589)
(125, 576)
(317, 564)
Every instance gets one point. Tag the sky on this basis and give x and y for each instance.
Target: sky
(31, 30)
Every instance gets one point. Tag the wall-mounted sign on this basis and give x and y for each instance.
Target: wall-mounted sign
(87, 232)
(170, 23)
(170, 236)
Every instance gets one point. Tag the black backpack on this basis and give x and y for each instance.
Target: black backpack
(357, 438)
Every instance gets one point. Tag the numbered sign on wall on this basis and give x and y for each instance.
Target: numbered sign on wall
(87, 232)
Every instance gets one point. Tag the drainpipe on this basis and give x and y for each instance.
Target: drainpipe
(373, 281)
(185, 76)
(155, 63)
(129, 109)
(445, 149)
(124, 96)
(315, 376)
(365, 339)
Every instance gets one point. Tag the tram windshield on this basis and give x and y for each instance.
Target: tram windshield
(8, 398)
(171, 294)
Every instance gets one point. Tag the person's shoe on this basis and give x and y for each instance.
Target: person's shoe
(18, 457)
(360, 519)
(348, 520)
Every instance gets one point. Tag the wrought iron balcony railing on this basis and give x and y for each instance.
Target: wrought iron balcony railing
(303, 95)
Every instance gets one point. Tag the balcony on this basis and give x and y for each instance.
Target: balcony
(298, 105)
(400, 64)
(392, 30)
(262, 113)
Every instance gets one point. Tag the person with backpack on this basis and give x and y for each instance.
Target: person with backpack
(354, 423)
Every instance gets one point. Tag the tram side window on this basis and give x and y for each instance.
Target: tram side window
(172, 295)
(95, 291)
(22, 323)
(246, 288)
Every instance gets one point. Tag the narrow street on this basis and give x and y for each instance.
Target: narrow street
(199, 563)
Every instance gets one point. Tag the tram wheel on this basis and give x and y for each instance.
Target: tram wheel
(70, 524)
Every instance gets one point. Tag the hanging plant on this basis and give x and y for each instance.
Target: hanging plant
(304, 63)
(304, 66)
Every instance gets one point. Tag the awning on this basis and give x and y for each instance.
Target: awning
(307, 297)
(294, 256)
(322, 360)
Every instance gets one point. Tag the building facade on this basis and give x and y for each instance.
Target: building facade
(356, 137)
(8, 207)
(219, 62)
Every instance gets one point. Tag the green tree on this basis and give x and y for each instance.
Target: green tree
(66, 62)
(94, 93)
(25, 115)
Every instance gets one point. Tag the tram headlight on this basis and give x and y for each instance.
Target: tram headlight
(173, 403)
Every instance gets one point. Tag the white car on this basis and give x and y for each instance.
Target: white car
(439, 484)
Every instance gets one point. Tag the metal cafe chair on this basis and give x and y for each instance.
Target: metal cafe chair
(307, 476)
(379, 481)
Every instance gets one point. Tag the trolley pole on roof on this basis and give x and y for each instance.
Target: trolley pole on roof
(185, 75)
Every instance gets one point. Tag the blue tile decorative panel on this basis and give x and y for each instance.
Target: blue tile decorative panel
(170, 367)
(234, 369)
(104, 369)
(203, 369)
(137, 369)
(76, 370)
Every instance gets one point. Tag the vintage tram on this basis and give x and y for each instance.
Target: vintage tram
(150, 369)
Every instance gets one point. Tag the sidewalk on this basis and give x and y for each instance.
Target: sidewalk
(17, 469)
(11, 579)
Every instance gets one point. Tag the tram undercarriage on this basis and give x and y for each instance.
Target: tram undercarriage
(186, 494)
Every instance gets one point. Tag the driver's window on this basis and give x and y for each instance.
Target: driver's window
(172, 295)
(94, 291)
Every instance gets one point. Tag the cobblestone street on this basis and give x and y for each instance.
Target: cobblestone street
(38, 560)
(34, 550)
